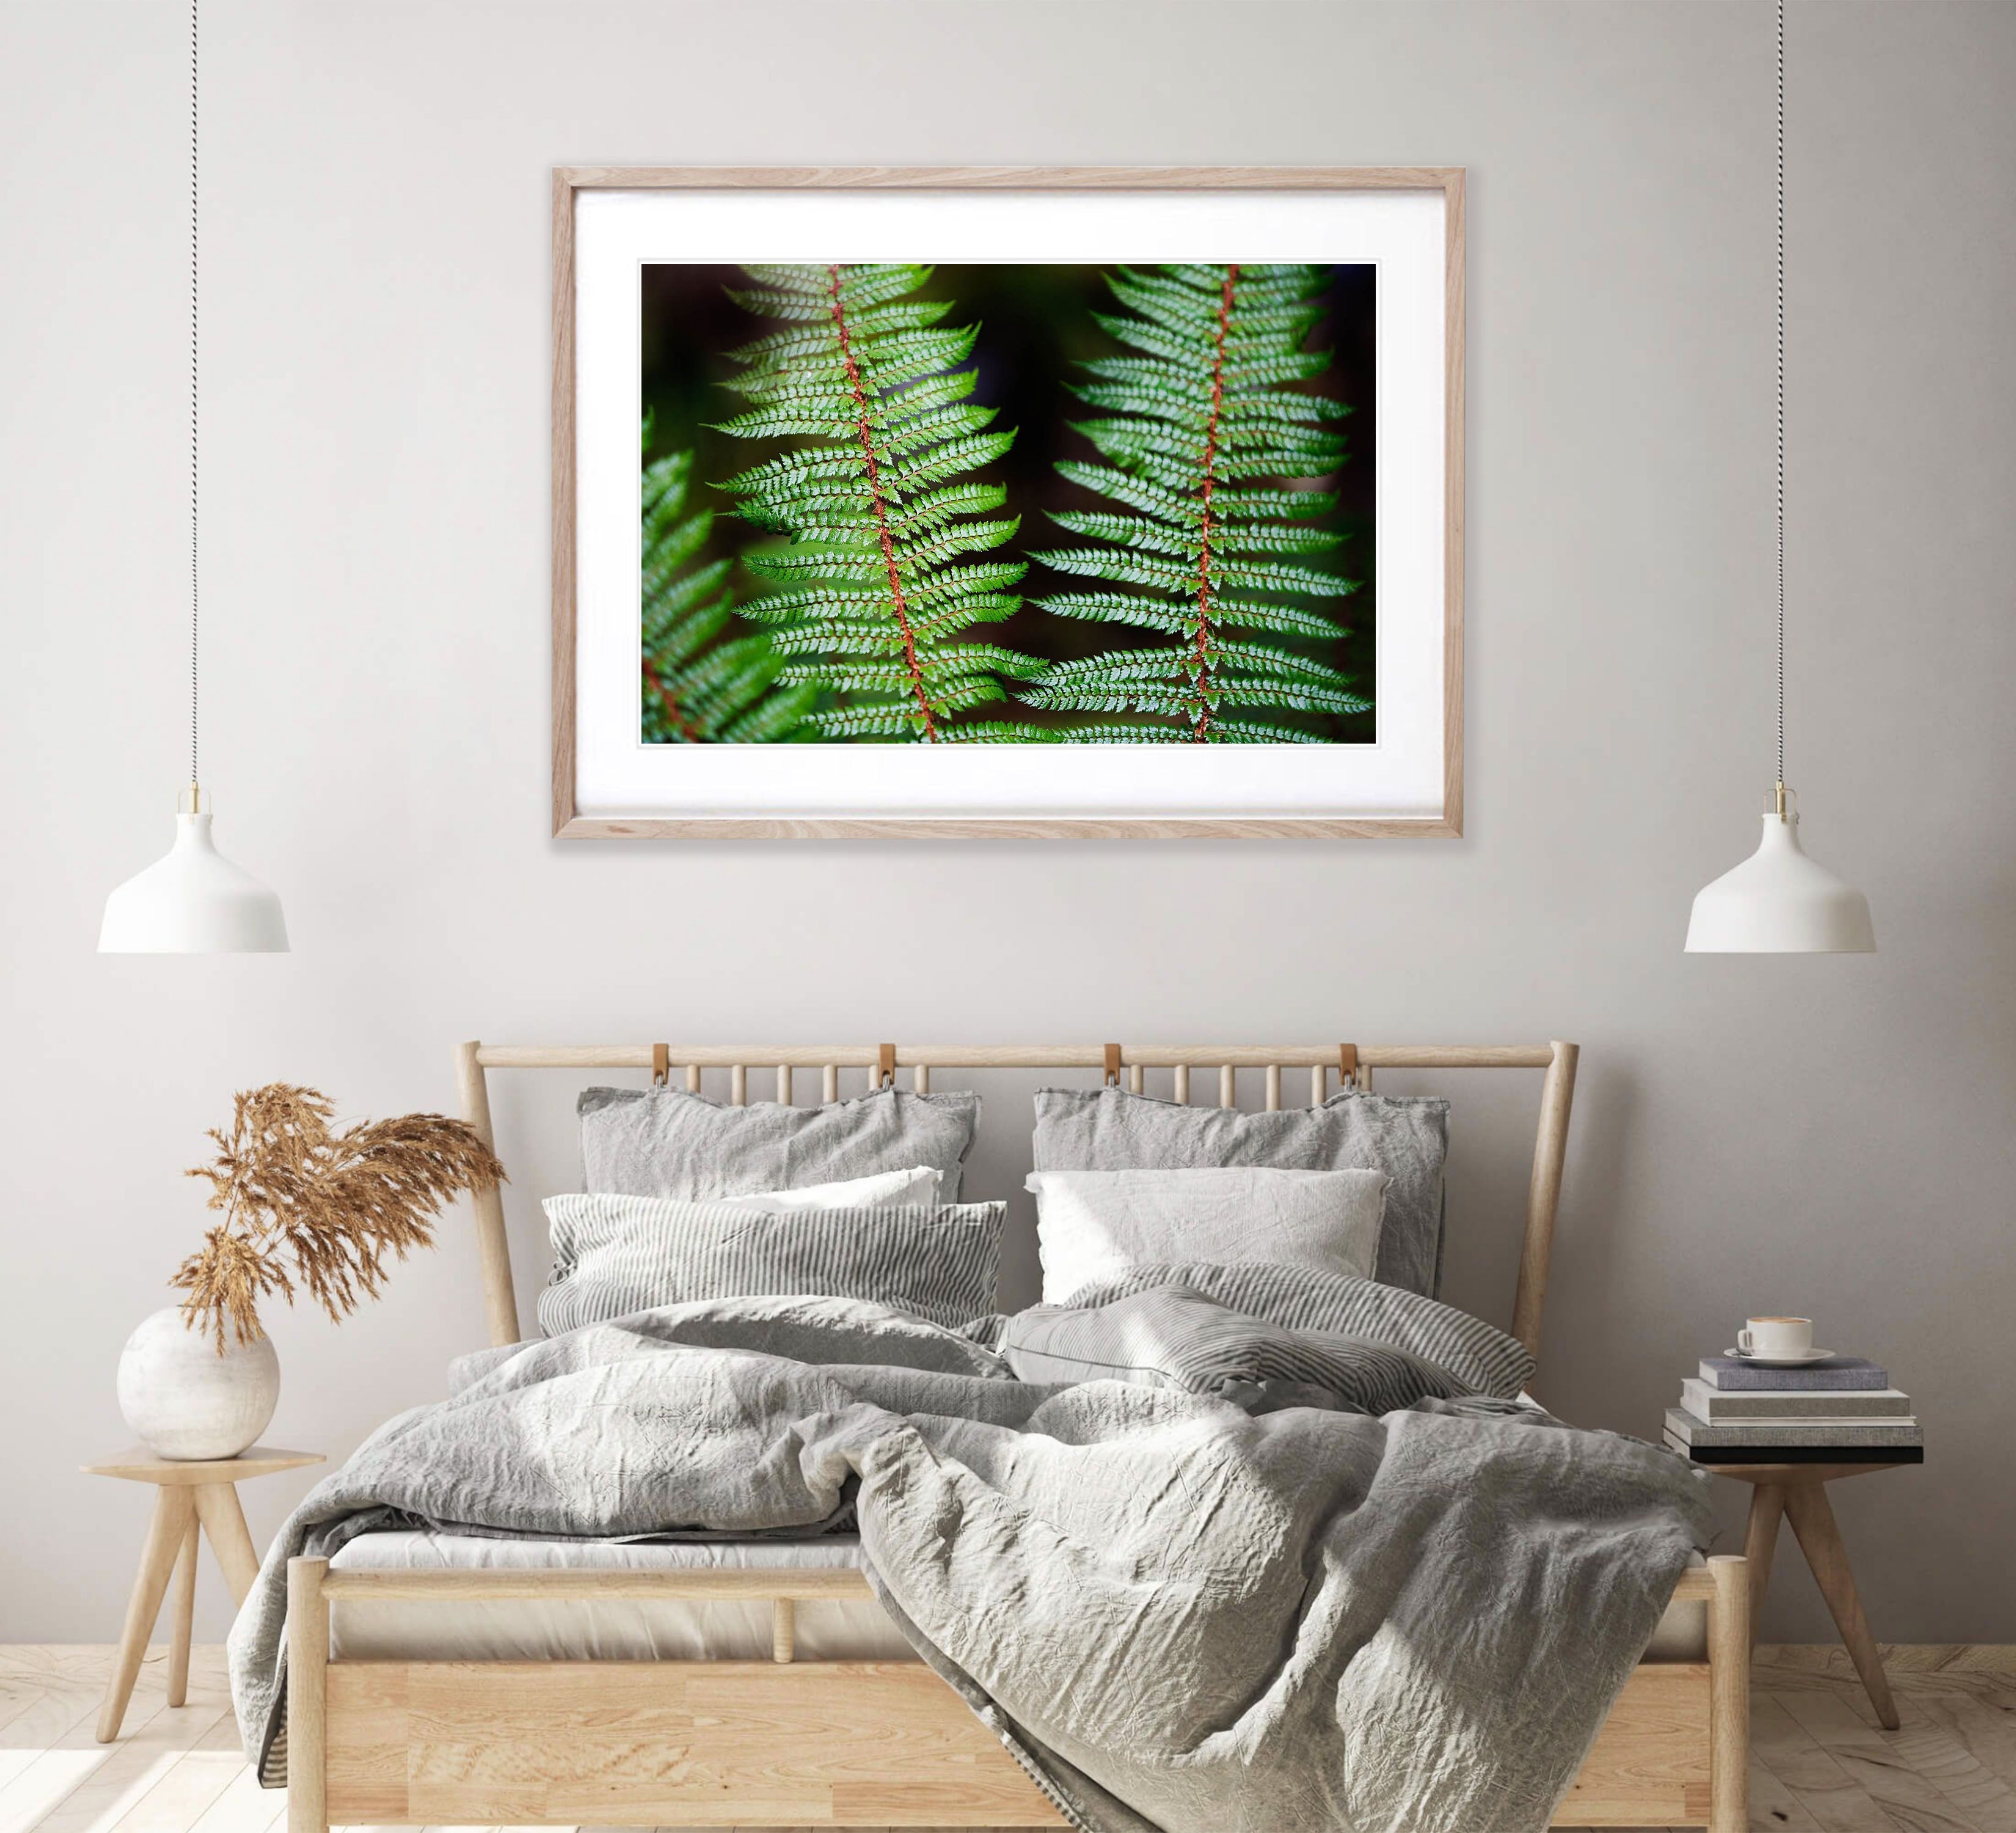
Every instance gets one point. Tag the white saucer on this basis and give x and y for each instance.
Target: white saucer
(1810, 1357)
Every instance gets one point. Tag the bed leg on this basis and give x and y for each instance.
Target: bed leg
(1729, 1695)
(308, 1697)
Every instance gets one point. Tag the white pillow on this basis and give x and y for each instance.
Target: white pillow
(885, 1190)
(1094, 1225)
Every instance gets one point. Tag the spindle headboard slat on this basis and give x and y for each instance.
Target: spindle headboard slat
(1558, 1060)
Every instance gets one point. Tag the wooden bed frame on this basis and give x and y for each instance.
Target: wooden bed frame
(859, 1744)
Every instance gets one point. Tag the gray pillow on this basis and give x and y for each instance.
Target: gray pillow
(1172, 1336)
(1406, 1136)
(1331, 1312)
(614, 1256)
(666, 1142)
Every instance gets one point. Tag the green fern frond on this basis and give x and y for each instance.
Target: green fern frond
(1236, 730)
(881, 719)
(1172, 683)
(698, 688)
(992, 732)
(1113, 732)
(875, 593)
(1276, 538)
(1208, 445)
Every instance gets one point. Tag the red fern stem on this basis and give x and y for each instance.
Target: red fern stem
(1202, 633)
(875, 496)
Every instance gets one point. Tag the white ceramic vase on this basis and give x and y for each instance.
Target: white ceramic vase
(186, 1401)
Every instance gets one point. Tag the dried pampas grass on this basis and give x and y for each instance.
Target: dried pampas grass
(303, 1204)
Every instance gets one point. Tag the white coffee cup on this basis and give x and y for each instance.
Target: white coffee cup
(1771, 1337)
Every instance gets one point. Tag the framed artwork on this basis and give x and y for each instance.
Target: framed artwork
(1027, 503)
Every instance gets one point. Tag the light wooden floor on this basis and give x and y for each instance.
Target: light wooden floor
(1820, 1764)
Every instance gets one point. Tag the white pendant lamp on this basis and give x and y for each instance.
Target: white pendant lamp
(194, 901)
(1778, 902)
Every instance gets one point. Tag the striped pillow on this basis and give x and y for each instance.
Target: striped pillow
(1480, 1356)
(613, 1255)
(1170, 1337)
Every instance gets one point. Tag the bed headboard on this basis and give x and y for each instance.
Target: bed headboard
(1354, 1065)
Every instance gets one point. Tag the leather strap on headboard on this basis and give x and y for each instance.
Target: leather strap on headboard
(1113, 1066)
(1347, 1065)
(661, 1064)
(885, 1065)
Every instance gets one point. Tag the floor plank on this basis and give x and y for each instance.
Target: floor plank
(127, 1771)
(1879, 1762)
(44, 1777)
(38, 1720)
(1927, 1744)
(1984, 1727)
(244, 1806)
(1834, 1798)
(193, 1784)
(1774, 1808)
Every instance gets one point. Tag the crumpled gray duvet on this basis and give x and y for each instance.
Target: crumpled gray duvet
(1174, 1614)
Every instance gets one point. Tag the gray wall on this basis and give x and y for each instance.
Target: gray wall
(1831, 1135)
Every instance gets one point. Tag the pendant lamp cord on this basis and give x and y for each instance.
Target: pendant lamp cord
(1781, 394)
(195, 600)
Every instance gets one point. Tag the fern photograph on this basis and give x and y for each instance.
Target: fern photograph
(1012, 504)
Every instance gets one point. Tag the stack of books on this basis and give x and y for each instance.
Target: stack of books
(1843, 1410)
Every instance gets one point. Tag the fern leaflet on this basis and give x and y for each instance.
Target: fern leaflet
(699, 689)
(1204, 553)
(877, 593)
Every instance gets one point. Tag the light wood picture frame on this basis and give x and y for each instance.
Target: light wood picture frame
(608, 783)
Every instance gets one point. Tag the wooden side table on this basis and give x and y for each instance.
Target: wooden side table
(1797, 1493)
(190, 1498)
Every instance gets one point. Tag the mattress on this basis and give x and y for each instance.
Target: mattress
(671, 1630)
(606, 1629)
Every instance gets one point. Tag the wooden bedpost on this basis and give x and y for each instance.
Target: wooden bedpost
(1729, 1695)
(308, 1697)
(493, 1246)
(1543, 1197)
